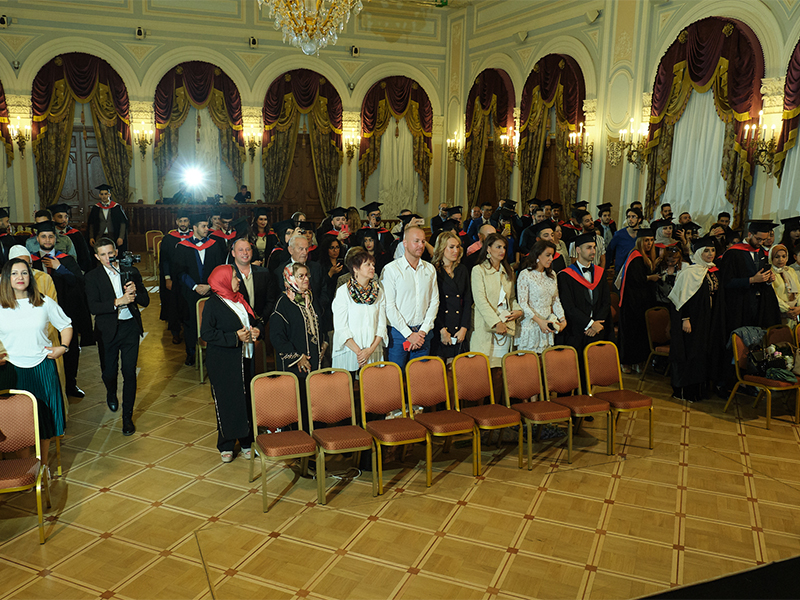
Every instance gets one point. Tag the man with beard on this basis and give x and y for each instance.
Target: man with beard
(173, 305)
(107, 219)
(585, 219)
(624, 240)
(373, 212)
(604, 225)
(61, 215)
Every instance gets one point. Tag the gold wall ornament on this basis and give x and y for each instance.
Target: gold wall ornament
(252, 141)
(311, 26)
(20, 135)
(615, 148)
(455, 150)
(633, 143)
(352, 141)
(682, 36)
(536, 68)
(728, 29)
(143, 138)
(761, 143)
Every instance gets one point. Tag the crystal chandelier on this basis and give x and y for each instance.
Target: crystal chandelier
(311, 24)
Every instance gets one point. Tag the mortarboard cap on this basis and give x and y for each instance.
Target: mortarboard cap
(707, 241)
(659, 223)
(582, 204)
(3, 213)
(262, 211)
(556, 204)
(604, 206)
(791, 223)
(406, 219)
(226, 213)
(509, 203)
(449, 225)
(585, 238)
(643, 233)
(454, 210)
(546, 203)
(371, 207)
(45, 226)
(183, 213)
(534, 201)
(369, 232)
(338, 212)
(306, 226)
(198, 218)
(506, 213)
(539, 227)
(281, 227)
(103, 187)
(761, 226)
(60, 208)
(690, 226)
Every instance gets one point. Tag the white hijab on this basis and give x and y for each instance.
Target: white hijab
(689, 279)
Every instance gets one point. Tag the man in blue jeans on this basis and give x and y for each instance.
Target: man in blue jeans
(412, 300)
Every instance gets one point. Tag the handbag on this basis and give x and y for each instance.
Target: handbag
(510, 325)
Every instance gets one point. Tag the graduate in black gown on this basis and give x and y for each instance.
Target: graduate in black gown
(791, 236)
(584, 294)
(544, 230)
(697, 325)
(637, 294)
(61, 214)
(280, 253)
(106, 218)
(230, 328)
(747, 278)
(373, 224)
(261, 237)
(371, 242)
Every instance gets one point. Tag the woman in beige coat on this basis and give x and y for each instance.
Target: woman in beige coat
(496, 309)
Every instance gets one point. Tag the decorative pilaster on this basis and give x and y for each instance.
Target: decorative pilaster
(772, 95)
(19, 107)
(647, 104)
(351, 122)
(252, 116)
(589, 113)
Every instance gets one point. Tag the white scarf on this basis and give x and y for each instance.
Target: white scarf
(689, 279)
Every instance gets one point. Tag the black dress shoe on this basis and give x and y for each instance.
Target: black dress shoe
(189, 361)
(113, 403)
(128, 428)
(176, 339)
(75, 392)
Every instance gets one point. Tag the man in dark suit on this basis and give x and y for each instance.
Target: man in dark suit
(438, 220)
(192, 262)
(583, 290)
(107, 219)
(253, 280)
(173, 305)
(115, 293)
(298, 252)
(68, 281)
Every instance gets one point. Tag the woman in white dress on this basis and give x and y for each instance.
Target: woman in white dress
(537, 294)
(359, 315)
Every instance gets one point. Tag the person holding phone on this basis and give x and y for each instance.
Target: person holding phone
(537, 294)
(455, 297)
(337, 226)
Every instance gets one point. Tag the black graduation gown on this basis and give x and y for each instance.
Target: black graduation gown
(581, 305)
(172, 301)
(455, 309)
(745, 304)
(6, 242)
(272, 241)
(638, 296)
(85, 258)
(697, 357)
(228, 371)
(71, 295)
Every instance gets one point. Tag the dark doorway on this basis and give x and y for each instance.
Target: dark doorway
(301, 191)
(548, 175)
(84, 172)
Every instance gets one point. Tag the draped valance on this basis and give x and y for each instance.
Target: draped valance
(401, 98)
(490, 108)
(555, 81)
(84, 78)
(290, 95)
(715, 53)
(199, 85)
(4, 123)
(791, 112)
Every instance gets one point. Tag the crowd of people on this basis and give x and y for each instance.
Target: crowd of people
(351, 292)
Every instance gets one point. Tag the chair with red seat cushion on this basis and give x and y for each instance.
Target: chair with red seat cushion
(427, 387)
(657, 323)
(275, 398)
(780, 334)
(765, 386)
(19, 429)
(381, 388)
(330, 400)
(472, 381)
(601, 360)
(561, 375)
(522, 380)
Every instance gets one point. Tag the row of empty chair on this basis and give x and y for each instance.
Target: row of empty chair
(528, 383)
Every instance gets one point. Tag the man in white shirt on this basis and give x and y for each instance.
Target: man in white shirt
(412, 300)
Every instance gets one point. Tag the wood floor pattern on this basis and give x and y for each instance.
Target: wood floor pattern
(157, 515)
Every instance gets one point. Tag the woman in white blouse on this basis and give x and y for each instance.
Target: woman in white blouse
(537, 294)
(359, 315)
(24, 317)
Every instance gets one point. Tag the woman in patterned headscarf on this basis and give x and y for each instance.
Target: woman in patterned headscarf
(294, 328)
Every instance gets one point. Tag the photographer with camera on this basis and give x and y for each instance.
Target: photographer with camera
(115, 291)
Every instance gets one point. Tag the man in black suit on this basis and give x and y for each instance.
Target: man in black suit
(192, 262)
(438, 220)
(113, 292)
(583, 290)
(298, 252)
(68, 280)
(173, 305)
(6, 240)
(253, 280)
(107, 219)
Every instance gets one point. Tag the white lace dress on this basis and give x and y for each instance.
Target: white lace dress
(537, 294)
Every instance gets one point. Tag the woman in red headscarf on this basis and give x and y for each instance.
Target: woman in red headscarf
(230, 329)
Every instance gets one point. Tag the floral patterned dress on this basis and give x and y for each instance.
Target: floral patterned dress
(537, 293)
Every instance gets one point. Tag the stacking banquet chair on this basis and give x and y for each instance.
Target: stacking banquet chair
(657, 323)
(602, 368)
(381, 388)
(472, 381)
(330, 400)
(522, 380)
(765, 386)
(150, 238)
(19, 429)
(780, 334)
(427, 387)
(276, 405)
(561, 376)
(200, 346)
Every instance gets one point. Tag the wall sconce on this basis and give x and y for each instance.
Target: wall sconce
(143, 138)
(252, 141)
(632, 140)
(756, 142)
(21, 136)
(352, 141)
(455, 149)
(508, 146)
(581, 147)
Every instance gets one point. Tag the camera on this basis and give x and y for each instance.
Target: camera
(129, 259)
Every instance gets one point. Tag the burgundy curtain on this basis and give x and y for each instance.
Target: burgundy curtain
(791, 112)
(4, 127)
(401, 98)
(489, 113)
(719, 53)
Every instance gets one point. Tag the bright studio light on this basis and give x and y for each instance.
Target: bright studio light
(193, 177)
